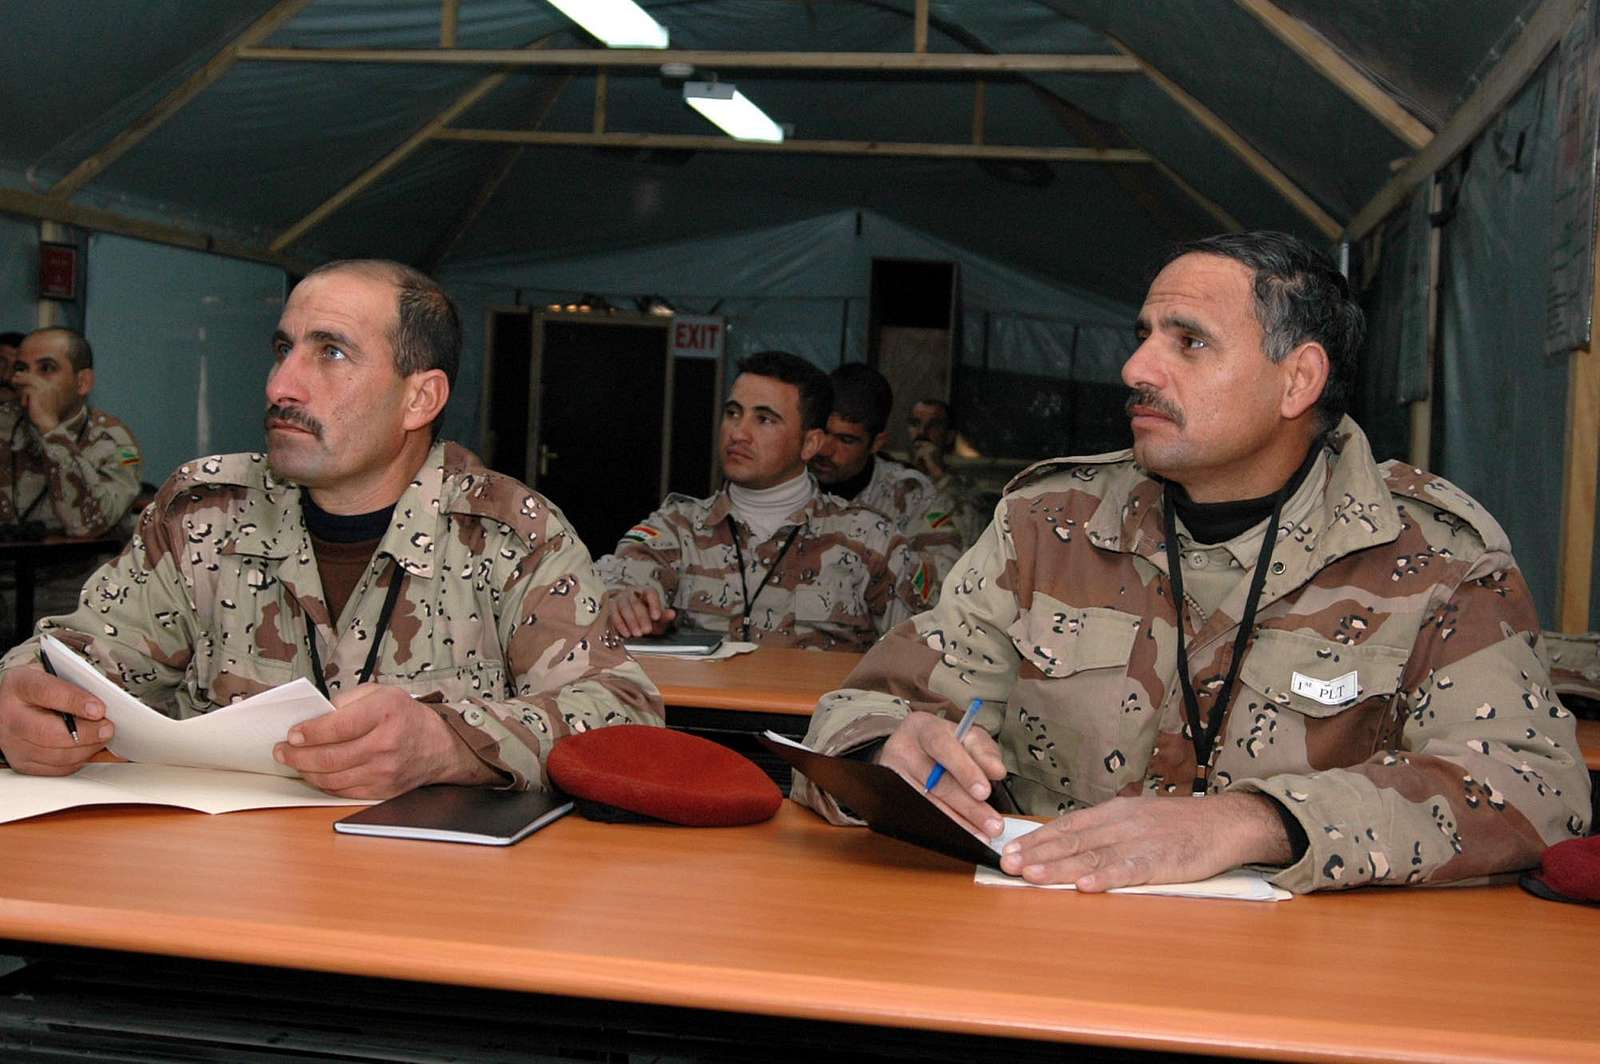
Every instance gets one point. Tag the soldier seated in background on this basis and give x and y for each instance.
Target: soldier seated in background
(1339, 659)
(71, 470)
(933, 437)
(769, 558)
(448, 612)
(849, 464)
(9, 342)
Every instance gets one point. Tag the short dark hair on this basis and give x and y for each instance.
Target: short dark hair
(816, 394)
(1300, 296)
(427, 332)
(862, 394)
(79, 353)
(944, 408)
(12, 339)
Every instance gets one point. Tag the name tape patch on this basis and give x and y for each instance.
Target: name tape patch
(1335, 692)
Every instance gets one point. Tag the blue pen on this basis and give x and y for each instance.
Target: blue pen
(961, 731)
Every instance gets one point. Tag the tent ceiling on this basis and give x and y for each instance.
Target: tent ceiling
(259, 149)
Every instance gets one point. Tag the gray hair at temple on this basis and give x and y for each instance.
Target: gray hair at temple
(1300, 297)
(427, 332)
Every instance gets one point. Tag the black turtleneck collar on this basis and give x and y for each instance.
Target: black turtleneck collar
(344, 528)
(849, 489)
(1218, 522)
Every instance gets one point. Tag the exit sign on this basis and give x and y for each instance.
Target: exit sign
(697, 336)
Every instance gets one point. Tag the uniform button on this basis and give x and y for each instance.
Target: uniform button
(1197, 560)
(1277, 568)
(473, 716)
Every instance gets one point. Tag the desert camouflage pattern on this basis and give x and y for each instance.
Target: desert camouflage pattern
(848, 578)
(969, 514)
(497, 627)
(928, 518)
(78, 479)
(1451, 760)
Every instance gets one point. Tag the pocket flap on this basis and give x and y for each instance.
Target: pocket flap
(1318, 677)
(1060, 640)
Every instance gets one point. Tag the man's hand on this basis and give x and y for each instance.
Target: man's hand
(33, 737)
(926, 458)
(43, 409)
(379, 742)
(639, 612)
(1130, 841)
(922, 740)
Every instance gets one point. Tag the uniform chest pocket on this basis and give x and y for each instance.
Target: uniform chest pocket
(1318, 677)
(1060, 640)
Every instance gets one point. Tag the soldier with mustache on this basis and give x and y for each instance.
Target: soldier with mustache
(1338, 658)
(448, 612)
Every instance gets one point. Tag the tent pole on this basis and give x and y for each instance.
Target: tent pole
(1574, 582)
(1420, 453)
(1327, 60)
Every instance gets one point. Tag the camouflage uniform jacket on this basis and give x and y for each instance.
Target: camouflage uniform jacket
(1451, 759)
(847, 578)
(926, 516)
(78, 479)
(497, 626)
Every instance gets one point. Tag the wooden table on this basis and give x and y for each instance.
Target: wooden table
(793, 918)
(769, 680)
(1589, 743)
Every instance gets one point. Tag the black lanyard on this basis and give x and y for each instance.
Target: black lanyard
(384, 615)
(744, 588)
(22, 515)
(1204, 738)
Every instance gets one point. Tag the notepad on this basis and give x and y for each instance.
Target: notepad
(239, 736)
(444, 813)
(677, 641)
(204, 790)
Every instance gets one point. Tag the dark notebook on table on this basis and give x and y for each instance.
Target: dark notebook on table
(677, 641)
(444, 813)
(882, 797)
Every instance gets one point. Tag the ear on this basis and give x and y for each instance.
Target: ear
(85, 382)
(878, 441)
(426, 394)
(1305, 375)
(811, 443)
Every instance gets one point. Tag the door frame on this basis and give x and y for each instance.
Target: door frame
(536, 382)
(486, 385)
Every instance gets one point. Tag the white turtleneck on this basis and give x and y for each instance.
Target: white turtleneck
(765, 510)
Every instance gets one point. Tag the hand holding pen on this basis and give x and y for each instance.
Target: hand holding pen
(48, 727)
(964, 761)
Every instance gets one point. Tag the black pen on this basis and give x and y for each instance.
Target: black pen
(66, 718)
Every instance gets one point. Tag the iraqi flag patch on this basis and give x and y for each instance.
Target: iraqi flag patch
(642, 533)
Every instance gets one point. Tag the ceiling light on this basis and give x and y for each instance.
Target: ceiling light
(731, 111)
(619, 23)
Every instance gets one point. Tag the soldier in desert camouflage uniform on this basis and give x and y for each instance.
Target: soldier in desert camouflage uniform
(355, 535)
(1392, 720)
(769, 558)
(851, 465)
(932, 438)
(71, 469)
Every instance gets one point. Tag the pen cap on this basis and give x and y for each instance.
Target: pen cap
(632, 772)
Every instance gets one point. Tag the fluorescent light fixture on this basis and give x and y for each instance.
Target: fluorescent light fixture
(731, 111)
(619, 23)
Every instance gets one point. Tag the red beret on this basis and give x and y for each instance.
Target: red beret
(661, 774)
(1568, 871)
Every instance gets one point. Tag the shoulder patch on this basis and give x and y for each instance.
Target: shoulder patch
(643, 533)
(1454, 507)
(128, 456)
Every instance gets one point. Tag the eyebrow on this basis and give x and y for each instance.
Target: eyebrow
(1181, 322)
(769, 410)
(326, 336)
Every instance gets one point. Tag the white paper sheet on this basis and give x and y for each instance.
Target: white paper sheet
(238, 736)
(201, 789)
(727, 650)
(1240, 884)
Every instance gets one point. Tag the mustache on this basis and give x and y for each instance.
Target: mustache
(1154, 401)
(293, 415)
